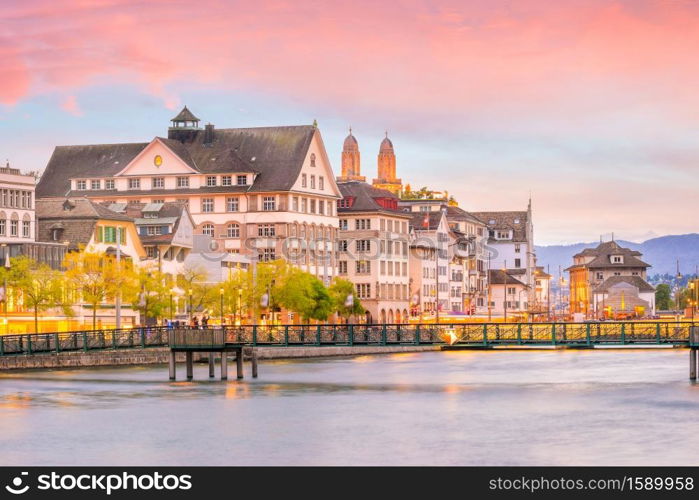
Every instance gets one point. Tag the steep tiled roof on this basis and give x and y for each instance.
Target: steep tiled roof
(602, 256)
(75, 208)
(365, 196)
(637, 281)
(77, 218)
(500, 277)
(506, 221)
(276, 154)
(457, 213)
(185, 116)
(427, 221)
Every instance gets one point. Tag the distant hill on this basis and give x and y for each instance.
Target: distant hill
(661, 253)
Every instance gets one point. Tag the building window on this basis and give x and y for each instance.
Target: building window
(321, 207)
(313, 159)
(343, 224)
(208, 229)
(265, 230)
(360, 224)
(321, 183)
(26, 229)
(14, 225)
(154, 230)
(363, 245)
(109, 184)
(233, 230)
(134, 183)
(232, 204)
(503, 235)
(342, 267)
(313, 206)
(2, 228)
(517, 248)
(304, 205)
(362, 267)
(95, 185)
(207, 205)
(158, 182)
(183, 182)
(600, 276)
(157, 200)
(226, 180)
(152, 252)
(342, 246)
(313, 182)
(210, 180)
(269, 203)
(79, 185)
(266, 255)
(303, 180)
(617, 259)
(363, 290)
(518, 263)
(242, 180)
(295, 203)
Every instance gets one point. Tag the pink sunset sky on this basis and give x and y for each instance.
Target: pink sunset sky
(591, 105)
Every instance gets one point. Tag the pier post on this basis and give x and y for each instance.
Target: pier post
(224, 365)
(239, 361)
(692, 363)
(172, 365)
(190, 365)
(253, 361)
(211, 365)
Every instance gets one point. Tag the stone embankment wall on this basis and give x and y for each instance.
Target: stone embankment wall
(158, 355)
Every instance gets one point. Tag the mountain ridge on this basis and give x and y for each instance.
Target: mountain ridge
(660, 252)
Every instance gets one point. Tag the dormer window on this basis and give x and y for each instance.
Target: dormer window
(503, 235)
(242, 180)
(81, 185)
(516, 221)
(617, 259)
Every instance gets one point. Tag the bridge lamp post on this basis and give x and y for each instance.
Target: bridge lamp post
(5, 294)
(220, 292)
(190, 305)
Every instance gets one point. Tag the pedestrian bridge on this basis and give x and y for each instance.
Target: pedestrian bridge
(244, 340)
(473, 335)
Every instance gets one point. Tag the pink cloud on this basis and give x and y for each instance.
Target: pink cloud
(491, 59)
(70, 105)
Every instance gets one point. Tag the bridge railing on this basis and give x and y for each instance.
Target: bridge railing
(485, 334)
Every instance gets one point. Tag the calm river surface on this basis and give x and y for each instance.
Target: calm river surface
(608, 407)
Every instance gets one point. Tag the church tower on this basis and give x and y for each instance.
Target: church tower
(350, 160)
(387, 168)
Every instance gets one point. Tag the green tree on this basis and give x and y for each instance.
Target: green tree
(39, 287)
(200, 294)
(304, 294)
(663, 302)
(149, 292)
(95, 277)
(340, 290)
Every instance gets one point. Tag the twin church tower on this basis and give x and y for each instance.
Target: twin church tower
(386, 162)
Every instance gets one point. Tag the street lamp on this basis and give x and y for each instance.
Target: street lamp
(190, 305)
(220, 291)
(5, 294)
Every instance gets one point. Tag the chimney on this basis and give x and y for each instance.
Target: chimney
(208, 133)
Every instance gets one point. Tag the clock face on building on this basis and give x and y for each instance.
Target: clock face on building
(158, 160)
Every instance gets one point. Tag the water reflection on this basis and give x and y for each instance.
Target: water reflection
(543, 407)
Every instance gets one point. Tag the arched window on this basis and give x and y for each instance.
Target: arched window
(233, 230)
(208, 229)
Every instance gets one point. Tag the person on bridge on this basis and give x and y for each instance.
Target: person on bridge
(195, 322)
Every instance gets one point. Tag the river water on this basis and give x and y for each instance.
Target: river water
(602, 407)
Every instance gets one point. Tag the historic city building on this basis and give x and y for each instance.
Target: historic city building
(610, 281)
(511, 247)
(373, 250)
(386, 178)
(266, 192)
